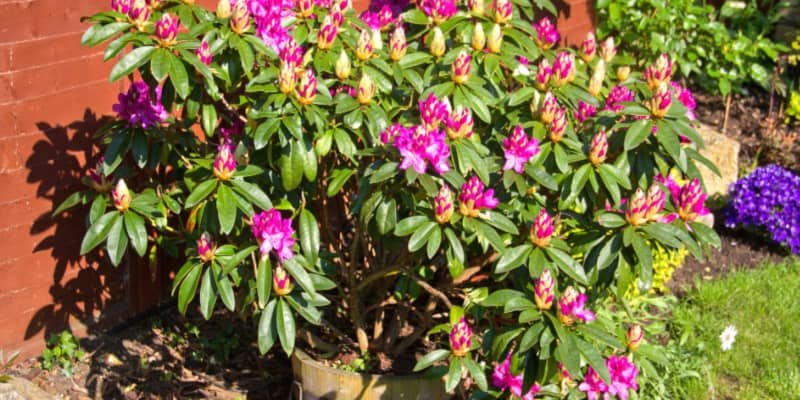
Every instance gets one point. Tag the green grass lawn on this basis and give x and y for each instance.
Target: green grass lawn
(764, 306)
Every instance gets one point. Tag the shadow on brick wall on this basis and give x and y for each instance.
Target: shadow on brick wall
(82, 287)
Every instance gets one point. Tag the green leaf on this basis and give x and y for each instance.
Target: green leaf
(410, 225)
(263, 281)
(267, 327)
(568, 265)
(645, 257)
(531, 337)
(421, 235)
(179, 77)
(476, 372)
(489, 234)
(160, 63)
(117, 241)
(226, 208)
(189, 287)
(434, 242)
(594, 358)
(99, 231)
(637, 133)
(431, 358)
(208, 294)
(520, 96)
(71, 201)
(454, 374)
(455, 244)
(309, 236)
(209, 119)
(566, 350)
(591, 331)
(344, 143)
(134, 226)
(131, 61)
(286, 327)
(300, 275)
(224, 286)
(705, 234)
(500, 297)
(200, 192)
(338, 178)
(611, 220)
(500, 221)
(253, 193)
(97, 34)
(512, 258)
(386, 216)
(304, 308)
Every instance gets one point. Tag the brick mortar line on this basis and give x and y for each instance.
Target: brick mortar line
(35, 39)
(42, 66)
(87, 84)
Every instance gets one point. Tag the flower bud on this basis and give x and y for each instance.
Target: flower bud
(543, 74)
(655, 202)
(397, 43)
(691, 199)
(478, 37)
(205, 247)
(121, 196)
(377, 41)
(563, 68)
(459, 123)
(224, 163)
(304, 8)
(459, 70)
(542, 229)
(549, 107)
(343, 66)
(307, 87)
(121, 6)
(438, 45)
(659, 72)
(366, 89)
(476, 7)
(588, 47)
(661, 101)
(281, 281)
(364, 46)
(495, 39)
(461, 338)
(559, 125)
(204, 53)
(167, 30)
(623, 73)
(636, 210)
(443, 205)
(327, 33)
(386, 17)
(98, 179)
(155, 4)
(568, 297)
(287, 78)
(635, 336)
(223, 9)
(139, 14)
(546, 33)
(608, 50)
(536, 102)
(502, 11)
(598, 76)
(543, 290)
(599, 148)
(240, 17)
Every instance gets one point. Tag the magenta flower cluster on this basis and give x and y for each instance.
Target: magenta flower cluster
(767, 198)
(617, 96)
(623, 379)
(439, 10)
(270, 16)
(546, 33)
(519, 149)
(272, 232)
(419, 146)
(138, 108)
(503, 379)
(584, 111)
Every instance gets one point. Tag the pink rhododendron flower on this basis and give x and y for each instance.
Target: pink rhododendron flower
(623, 376)
(519, 149)
(689, 199)
(685, 96)
(136, 106)
(503, 379)
(438, 10)
(593, 385)
(270, 17)
(421, 146)
(571, 306)
(272, 232)
(617, 96)
(433, 111)
(546, 33)
(472, 198)
(584, 111)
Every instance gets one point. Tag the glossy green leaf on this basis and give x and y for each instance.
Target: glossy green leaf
(99, 230)
(286, 327)
(117, 241)
(200, 192)
(137, 233)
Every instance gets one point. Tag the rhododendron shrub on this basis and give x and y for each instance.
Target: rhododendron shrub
(437, 176)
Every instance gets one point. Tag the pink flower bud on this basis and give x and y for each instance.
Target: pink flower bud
(608, 50)
(691, 201)
(546, 33)
(438, 45)
(364, 46)
(459, 123)
(366, 89)
(549, 108)
(307, 87)
(204, 53)
(636, 211)
(635, 336)
(287, 78)
(343, 66)
(559, 126)
(385, 16)
(661, 101)
(281, 281)
(542, 229)
(584, 111)
(478, 37)
(432, 111)
(240, 17)
(563, 68)
(206, 247)
(304, 8)
(658, 73)
(121, 196)
(337, 15)
(543, 75)
(459, 70)
(543, 290)
(495, 39)
(502, 11)
(98, 179)
(588, 47)
(438, 10)
(291, 53)
(476, 7)
(224, 163)
(473, 198)
(518, 150)
(139, 14)
(598, 76)
(397, 43)
(443, 205)
(461, 338)
(655, 202)
(121, 6)
(327, 33)
(599, 148)
(571, 307)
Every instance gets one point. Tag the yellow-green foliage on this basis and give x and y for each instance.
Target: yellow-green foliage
(665, 262)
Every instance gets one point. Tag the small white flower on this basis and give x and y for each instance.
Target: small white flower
(521, 70)
(727, 337)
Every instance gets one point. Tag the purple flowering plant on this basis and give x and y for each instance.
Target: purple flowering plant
(318, 167)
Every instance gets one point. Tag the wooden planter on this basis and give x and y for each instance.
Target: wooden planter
(316, 381)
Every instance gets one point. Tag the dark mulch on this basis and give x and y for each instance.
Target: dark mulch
(168, 356)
